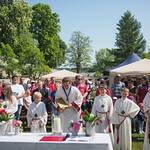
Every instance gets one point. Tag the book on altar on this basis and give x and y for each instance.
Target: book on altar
(61, 103)
(53, 138)
(79, 138)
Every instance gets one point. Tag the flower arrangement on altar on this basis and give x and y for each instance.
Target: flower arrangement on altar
(17, 123)
(87, 117)
(4, 115)
(74, 127)
(89, 123)
(4, 118)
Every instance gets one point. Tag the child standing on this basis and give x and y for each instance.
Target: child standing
(37, 114)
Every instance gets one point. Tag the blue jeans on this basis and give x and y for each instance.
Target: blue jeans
(140, 124)
(18, 112)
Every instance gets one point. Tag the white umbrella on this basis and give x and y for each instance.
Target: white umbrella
(60, 74)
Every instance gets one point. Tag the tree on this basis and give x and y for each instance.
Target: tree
(31, 60)
(79, 50)
(8, 60)
(128, 39)
(104, 59)
(15, 19)
(147, 54)
(19, 52)
(62, 52)
(33, 63)
(4, 2)
(45, 28)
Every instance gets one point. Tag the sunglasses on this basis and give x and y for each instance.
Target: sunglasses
(79, 79)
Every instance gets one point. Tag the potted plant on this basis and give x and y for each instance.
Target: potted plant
(74, 127)
(89, 123)
(17, 124)
(4, 118)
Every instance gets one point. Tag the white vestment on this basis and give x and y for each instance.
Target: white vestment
(38, 110)
(103, 109)
(69, 114)
(146, 106)
(124, 109)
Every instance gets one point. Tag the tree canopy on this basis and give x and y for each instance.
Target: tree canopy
(104, 59)
(15, 19)
(129, 38)
(79, 51)
(45, 28)
(30, 36)
(8, 60)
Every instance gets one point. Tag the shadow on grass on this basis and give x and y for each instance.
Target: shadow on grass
(137, 141)
(137, 137)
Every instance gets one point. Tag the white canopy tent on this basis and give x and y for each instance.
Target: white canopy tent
(141, 67)
(60, 74)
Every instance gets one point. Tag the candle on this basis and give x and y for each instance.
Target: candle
(56, 127)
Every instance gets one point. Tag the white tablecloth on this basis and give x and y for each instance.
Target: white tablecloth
(30, 141)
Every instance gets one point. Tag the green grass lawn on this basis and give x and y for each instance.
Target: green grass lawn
(137, 141)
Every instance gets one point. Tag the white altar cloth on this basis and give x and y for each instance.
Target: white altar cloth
(30, 141)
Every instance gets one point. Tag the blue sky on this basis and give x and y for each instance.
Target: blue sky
(98, 18)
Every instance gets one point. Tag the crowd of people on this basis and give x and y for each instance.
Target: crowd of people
(120, 108)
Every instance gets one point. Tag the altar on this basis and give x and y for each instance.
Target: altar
(31, 141)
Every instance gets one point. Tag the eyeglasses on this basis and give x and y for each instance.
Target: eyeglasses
(79, 79)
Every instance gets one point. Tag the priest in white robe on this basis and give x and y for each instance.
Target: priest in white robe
(37, 114)
(146, 106)
(103, 109)
(124, 110)
(72, 98)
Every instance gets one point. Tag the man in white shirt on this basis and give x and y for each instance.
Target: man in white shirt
(18, 91)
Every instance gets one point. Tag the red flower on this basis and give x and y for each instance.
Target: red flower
(3, 111)
(4, 115)
(17, 123)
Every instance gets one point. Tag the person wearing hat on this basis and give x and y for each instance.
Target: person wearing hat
(31, 85)
(103, 109)
(72, 98)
